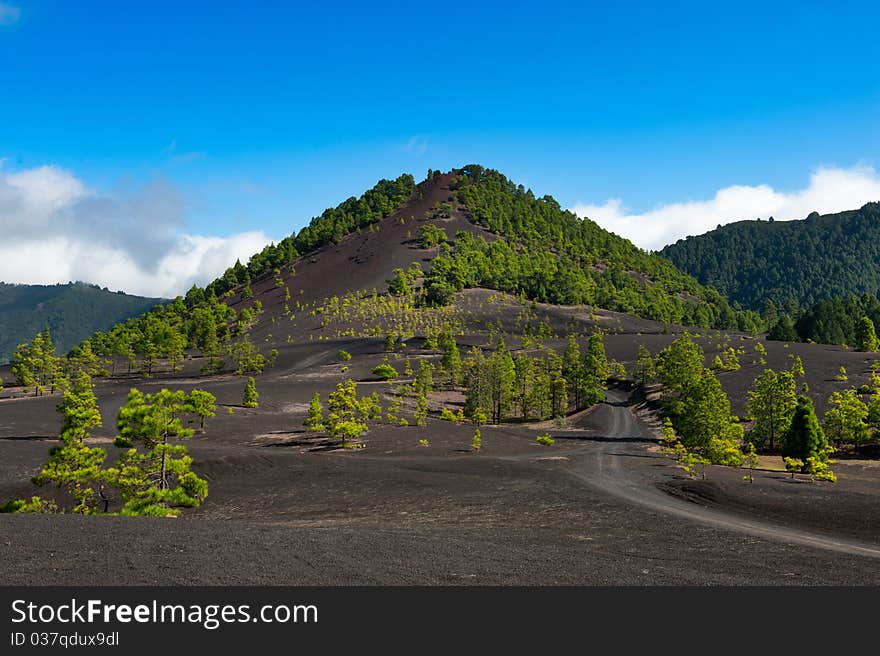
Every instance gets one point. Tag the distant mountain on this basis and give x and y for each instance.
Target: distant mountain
(72, 312)
(791, 263)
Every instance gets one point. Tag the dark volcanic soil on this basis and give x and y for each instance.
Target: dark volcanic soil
(599, 507)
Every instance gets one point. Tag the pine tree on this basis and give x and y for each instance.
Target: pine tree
(84, 358)
(679, 367)
(558, 397)
(315, 420)
(424, 381)
(451, 360)
(573, 370)
(478, 392)
(251, 398)
(705, 413)
(846, 419)
(750, 461)
(159, 479)
(524, 383)
(202, 405)
(866, 336)
(771, 404)
(35, 364)
(645, 372)
(344, 419)
(596, 369)
(502, 375)
(761, 353)
(72, 465)
(805, 438)
(246, 356)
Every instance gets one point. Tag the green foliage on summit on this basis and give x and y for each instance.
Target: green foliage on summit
(791, 263)
(549, 254)
(72, 312)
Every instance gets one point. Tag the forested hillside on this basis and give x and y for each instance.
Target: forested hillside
(791, 263)
(72, 312)
(549, 254)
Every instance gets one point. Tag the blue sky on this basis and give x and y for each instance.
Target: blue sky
(260, 115)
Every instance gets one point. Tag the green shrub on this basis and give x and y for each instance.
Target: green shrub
(477, 440)
(384, 371)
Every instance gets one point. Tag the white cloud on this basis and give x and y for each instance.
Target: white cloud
(416, 145)
(9, 14)
(54, 229)
(829, 190)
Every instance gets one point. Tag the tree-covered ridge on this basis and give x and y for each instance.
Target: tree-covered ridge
(329, 228)
(551, 255)
(72, 312)
(791, 263)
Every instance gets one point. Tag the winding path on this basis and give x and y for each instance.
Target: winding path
(603, 470)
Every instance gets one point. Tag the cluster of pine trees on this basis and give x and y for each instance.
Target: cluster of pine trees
(850, 322)
(502, 385)
(696, 406)
(700, 427)
(36, 365)
(151, 476)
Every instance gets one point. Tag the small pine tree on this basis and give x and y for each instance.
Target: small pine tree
(793, 465)
(750, 461)
(645, 372)
(761, 352)
(866, 336)
(384, 371)
(420, 414)
(202, 405)
(477, 440)
(315, 420)
(805, 438)
(251, 398)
